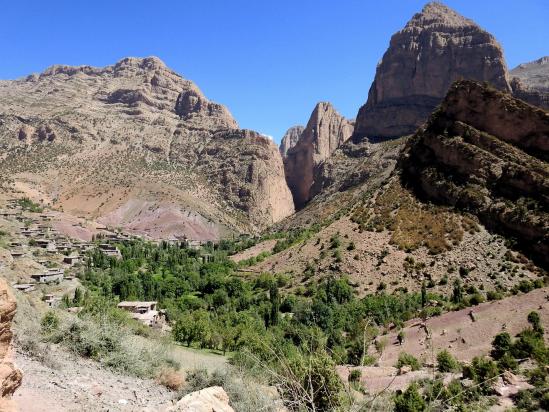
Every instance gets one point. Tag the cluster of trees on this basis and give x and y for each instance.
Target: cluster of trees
(264, 323)
(211, 307)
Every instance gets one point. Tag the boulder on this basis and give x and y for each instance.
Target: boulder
(212, 399)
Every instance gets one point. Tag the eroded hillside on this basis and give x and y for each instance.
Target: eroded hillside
(137, 146)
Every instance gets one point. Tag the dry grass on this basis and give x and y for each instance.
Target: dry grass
(170, 378)
(412, 223)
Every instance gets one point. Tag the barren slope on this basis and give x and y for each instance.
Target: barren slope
(136, 145)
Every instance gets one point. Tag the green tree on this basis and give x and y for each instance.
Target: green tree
(274, 297)
(77, 299)
(423, 294)
(457, 294)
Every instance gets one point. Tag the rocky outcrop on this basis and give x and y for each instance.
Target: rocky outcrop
(191, 105)
(325, 132)
(534, 75)
(10, 376)
(212, 399)
(486, 152)
(251, 175)
(436, 47)
(290, 139)
(137, 133)
(531, 82)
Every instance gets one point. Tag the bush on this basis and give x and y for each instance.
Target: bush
(407, 359)
(507, 362)
(49, 322)
(501, 345)
(170, 378)
(446, 362)
(410, 400)
(482, 371)
(355, 375)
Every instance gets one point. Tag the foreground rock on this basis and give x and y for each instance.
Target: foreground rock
(10, 376)
(213, 399)
(487, 152)
(135, 145)
(325, 132)
(436, 47)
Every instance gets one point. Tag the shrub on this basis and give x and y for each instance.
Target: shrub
(530, 345)
(494, 295)
(446, 362)
(170, 378)
(355, 375)
(501, 345)
(50, 322)
(407, 359)
(410, 400)
(482, 371)
(507, 362)
(476, 299)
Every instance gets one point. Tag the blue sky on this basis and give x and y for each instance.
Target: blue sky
(268, 61)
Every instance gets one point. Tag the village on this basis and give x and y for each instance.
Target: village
(62, 257)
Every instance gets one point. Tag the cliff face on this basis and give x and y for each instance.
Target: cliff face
(325, 132)
(290, 139)
(486, 152)
(436, 47)
(135, 144)
(10, 377)
(531, 82)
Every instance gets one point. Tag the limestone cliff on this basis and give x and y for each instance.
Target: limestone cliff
(325, 132)
(486, 152)
(436, 47)
(290, 139)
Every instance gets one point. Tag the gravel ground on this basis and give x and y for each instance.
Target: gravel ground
(72, 384)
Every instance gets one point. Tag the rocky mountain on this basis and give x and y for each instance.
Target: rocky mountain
(487, 152)
(534, 75)
(436, 47)
(290, 139)
(326, 130)
(136, 145)
(530, 82)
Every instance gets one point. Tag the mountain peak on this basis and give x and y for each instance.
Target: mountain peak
(437, 13)
(146, 63)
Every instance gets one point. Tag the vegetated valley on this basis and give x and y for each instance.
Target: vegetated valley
(393, 262)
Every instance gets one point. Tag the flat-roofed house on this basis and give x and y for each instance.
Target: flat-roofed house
(49, 276)
(71, 260)
(51, 300)
(24, 287)
(145, 312)
(110, 250)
